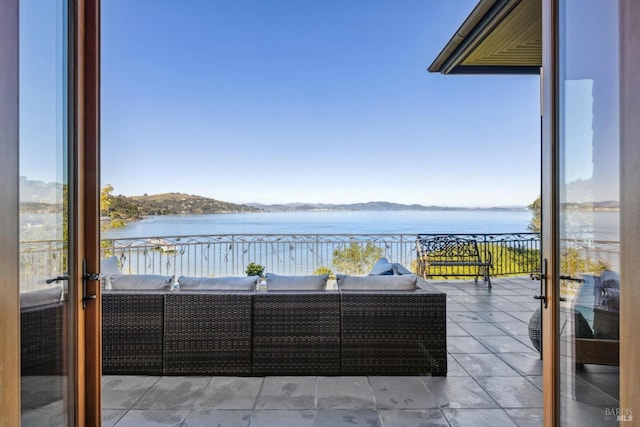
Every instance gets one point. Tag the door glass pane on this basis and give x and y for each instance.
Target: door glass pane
(589, 212)
(43, 212)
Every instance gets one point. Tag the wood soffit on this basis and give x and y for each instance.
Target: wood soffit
(499, 37)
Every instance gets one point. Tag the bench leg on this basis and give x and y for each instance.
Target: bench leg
(487, 277)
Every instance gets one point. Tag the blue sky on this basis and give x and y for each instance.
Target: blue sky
(309, 101)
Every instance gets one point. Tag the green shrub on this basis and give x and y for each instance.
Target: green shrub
(573, 262)
(357, 258)
(254, 269)
(325, 270)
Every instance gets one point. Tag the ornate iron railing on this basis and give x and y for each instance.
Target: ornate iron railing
(40, 260)
(512, 254)
(221, 255)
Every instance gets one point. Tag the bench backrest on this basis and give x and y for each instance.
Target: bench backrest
(447, 247)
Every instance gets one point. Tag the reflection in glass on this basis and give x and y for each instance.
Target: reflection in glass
(43, 211)
(589, 213)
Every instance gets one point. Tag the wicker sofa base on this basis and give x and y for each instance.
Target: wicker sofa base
(275, 333)
(207, 334)
(296, 333)
(404, 333)
(42, 340)
(132, 333)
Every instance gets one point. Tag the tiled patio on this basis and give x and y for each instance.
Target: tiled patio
(494, 379)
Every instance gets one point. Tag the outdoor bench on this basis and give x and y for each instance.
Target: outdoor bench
(440, 254)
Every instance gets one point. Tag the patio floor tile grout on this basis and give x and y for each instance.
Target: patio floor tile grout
(507, 307)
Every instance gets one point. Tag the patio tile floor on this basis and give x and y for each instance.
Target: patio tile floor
(494, 379)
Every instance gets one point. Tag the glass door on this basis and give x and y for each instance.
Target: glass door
(588, 222)
(46, 289)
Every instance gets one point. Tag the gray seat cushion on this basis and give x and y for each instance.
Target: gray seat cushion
(276, 282)
(387, 283)
(141, 282)
(40, 297)
(229, 283)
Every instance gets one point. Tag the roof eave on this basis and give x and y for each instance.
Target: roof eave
(481, 22)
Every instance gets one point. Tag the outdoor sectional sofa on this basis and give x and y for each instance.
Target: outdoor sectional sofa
(275, 332)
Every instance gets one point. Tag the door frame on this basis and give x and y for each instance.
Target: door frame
(84, 89)
(629, 36)
(629, 12)
(550, 213)
(9, 253)
(85, 156)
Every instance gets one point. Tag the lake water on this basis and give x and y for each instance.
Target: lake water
(299, 255)
(583, 225)
(300, 252)
(328, 222)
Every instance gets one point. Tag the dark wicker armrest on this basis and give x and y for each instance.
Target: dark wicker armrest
(394, 332)
(132, 332)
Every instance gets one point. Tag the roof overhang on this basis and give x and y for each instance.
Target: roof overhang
(498, 37)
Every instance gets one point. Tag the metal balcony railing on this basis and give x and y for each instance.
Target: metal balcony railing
(223, 255)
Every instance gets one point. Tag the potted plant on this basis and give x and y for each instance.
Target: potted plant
(254, 269)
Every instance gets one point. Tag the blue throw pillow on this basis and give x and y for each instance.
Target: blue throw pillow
(382, 268)
(400, 269)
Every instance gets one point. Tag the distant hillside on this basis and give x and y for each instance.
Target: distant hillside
(179, 203)
(595, 206)
(370, 206)
(136, 207)
(32, 207)
(39, 192)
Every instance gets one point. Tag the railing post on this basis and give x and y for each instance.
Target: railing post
(317, 252)
(233, 254)
(486, 248)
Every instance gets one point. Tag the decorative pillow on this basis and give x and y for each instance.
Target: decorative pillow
(141, 282)
(382, 267)
(610, 279)
(230, 283)
(108, 266)
(40, 297)
(378, 283)
(297, 283)
(400, 269)
(611, 300)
